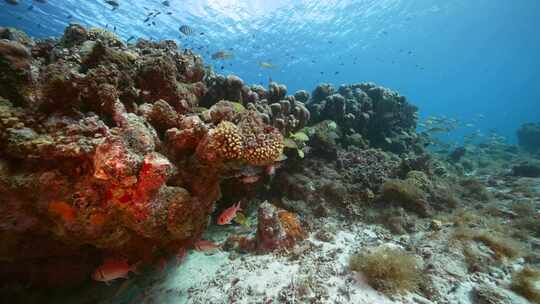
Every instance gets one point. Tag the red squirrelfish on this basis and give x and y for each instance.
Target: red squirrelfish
(112, 270)
(270, 170)
(204, 245)
(228, 215)
(162, 264)
(250, 179)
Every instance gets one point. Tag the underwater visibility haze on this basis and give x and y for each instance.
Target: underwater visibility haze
(229, 151)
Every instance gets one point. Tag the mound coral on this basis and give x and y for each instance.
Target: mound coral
(383, 117)
(251, 141)
(15, 71)
(262, 144)
(221, 144)
(529, 137)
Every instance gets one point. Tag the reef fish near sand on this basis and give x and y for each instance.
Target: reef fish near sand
(229, 214)
(112, 270)
(204, 245)
(250, 179)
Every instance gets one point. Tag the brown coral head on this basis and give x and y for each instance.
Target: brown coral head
(221, 144)
(263, 144)
(264, 148)
(252, 141)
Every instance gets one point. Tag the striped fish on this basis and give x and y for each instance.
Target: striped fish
(186, 30)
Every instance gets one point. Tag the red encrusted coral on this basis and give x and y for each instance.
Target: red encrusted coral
(277, 229)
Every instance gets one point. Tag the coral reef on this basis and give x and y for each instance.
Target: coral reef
(251, 141)
(273, 105)
(119, 151)
(277, 229)
(102, 147)
(381, 116)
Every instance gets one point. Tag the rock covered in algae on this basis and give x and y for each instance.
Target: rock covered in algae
(101, 148)
(273, 105)
(383, 117)
(277, 229)
(251, 141)
(15, 71)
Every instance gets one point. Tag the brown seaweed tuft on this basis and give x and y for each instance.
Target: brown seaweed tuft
(388, 270)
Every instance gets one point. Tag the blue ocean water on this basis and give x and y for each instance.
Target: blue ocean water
(457, 58)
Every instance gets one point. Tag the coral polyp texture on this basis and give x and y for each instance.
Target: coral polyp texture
(251, 141)
(222, 143)
(262, 144)
(102, 147)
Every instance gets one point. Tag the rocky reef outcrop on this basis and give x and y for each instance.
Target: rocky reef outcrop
(103, 152)
(283, 111)
(380, 116)
(277, 230)
(529, 137)
(110, 150)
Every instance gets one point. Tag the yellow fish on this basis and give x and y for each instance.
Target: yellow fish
(266, 65)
